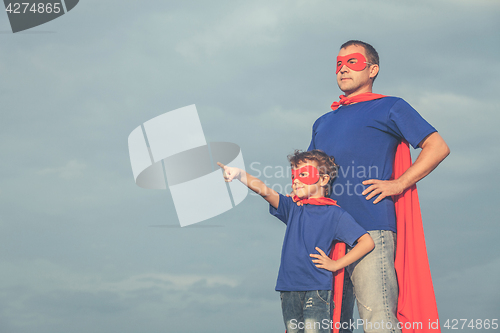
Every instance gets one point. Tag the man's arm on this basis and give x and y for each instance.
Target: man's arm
(434, 150)
(253, 183)
(364, 245)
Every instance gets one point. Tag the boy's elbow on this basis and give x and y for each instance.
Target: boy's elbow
(371, 243)
(368, 242)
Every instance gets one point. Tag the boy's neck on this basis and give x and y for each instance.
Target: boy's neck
(317, 196)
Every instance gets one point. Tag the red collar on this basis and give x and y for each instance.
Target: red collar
(368, 96)
(316, 201)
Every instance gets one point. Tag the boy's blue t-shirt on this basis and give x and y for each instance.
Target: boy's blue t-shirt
(363, 138)
(307, 227)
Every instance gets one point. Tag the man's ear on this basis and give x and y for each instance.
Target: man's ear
(373, 71)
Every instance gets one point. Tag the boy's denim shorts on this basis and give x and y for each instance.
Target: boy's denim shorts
(307, 311)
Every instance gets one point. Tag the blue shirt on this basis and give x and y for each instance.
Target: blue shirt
(363, 138)
(307, 227)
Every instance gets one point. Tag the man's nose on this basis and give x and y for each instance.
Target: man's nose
(344, 69)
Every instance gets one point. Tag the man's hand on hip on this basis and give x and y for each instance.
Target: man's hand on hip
(383, 188)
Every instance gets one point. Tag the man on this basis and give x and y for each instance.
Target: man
(362, 133)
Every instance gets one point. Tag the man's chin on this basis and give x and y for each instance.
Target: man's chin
(346, 89)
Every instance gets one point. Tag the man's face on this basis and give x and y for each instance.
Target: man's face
(354, 82)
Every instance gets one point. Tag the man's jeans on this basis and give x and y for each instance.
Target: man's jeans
(307, 311)
(375, 285)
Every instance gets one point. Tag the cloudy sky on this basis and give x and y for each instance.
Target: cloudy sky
(84, 249)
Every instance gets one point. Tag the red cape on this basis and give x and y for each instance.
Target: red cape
(316, 201)
(416, 300)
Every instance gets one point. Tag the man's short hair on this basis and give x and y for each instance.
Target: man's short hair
(371, 53)
(326, 163)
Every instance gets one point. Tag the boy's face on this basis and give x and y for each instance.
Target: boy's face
(307, 182)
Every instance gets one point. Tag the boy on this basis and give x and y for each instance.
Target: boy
(305, 284)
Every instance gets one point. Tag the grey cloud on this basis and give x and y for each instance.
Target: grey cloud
(260, 74)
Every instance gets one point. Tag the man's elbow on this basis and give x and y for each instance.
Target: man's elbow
(436, 144)
(444, 149)
(447, 151)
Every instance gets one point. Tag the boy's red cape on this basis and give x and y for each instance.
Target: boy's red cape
(416, 301)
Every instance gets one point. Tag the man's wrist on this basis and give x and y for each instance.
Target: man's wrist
(402, 184)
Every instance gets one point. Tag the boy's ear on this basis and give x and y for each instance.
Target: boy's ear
(325, 180)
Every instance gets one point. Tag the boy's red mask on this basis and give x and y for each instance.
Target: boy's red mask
(355, 61)
(307, 174)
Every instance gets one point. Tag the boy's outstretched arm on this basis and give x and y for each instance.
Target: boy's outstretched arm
(365, 244)
(253, 183)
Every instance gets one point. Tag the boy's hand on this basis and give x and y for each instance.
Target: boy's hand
(323, 261)
(229, 172)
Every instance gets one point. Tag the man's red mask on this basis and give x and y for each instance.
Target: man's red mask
(307, 174)
(355, 61)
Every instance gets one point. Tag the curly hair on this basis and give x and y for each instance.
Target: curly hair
(326, 163)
